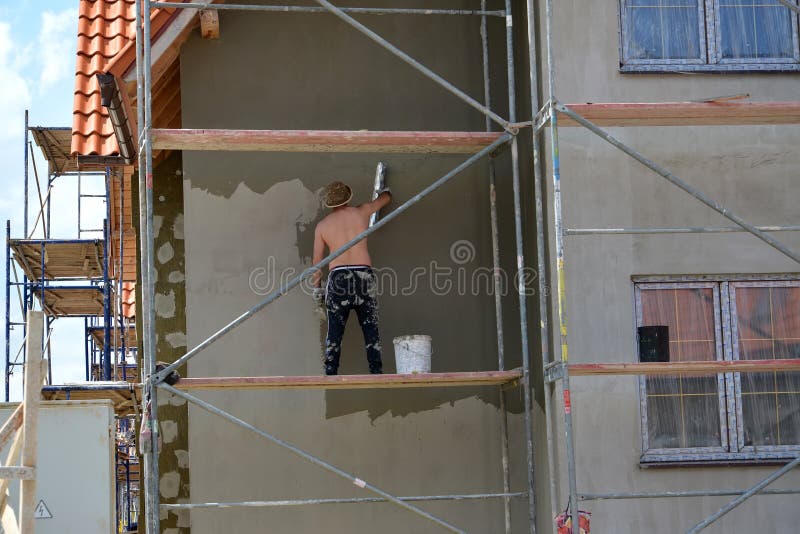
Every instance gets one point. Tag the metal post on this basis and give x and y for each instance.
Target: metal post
(560, 276)
(106, 359)
(79, 205)
(744, 496)
(145, 230)
(25, 174)
(120, 274)
(150, 336)
(49, 333)
(294, 282)
(87, 346)
(8, 309)
(498, 305)
(50, 180)
(523, 306)
(428, 73)
(661, 171)
(539, 194)
(309, 457)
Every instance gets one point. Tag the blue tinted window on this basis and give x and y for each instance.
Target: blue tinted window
(755, 29)
(663, 29)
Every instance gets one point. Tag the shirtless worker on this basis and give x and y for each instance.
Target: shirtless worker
(352, 284)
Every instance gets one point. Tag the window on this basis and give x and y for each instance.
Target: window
(727, 416)
(708, 35)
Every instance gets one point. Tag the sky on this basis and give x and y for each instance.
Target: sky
(38, 40)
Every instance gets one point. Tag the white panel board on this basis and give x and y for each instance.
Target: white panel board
(75, 478)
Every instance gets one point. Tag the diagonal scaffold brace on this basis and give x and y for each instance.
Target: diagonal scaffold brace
(363, 484)
(664, 173)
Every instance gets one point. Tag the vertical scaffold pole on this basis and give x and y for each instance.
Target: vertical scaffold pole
(8, 308)
(560, 278)
(146, 239)
(496, 275)
(521, 289)
(541, 248)
(25, 175)
(123, 345)
(87, 346)
(106, 359)
(149, 301)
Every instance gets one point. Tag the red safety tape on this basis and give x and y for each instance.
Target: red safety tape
(567, 403)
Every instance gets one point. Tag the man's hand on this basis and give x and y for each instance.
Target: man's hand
(318, 294)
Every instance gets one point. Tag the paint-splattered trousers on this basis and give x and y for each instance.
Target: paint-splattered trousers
(352, 287)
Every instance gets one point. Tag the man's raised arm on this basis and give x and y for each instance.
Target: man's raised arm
(319, 253)
(379, 203)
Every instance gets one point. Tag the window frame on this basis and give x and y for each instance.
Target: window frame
(732, 449)
(738, 376)
(710, 38)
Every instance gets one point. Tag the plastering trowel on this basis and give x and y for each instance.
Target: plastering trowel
(380, 183)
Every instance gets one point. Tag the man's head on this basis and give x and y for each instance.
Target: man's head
(337, 194)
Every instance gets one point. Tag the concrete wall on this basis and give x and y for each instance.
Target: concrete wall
(250, 217)
(751, 170)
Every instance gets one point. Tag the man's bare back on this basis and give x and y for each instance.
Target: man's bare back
(340, 226)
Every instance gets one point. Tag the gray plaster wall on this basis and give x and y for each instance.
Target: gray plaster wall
(751, 170)
(250, 216)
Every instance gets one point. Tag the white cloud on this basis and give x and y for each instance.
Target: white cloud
(14, 91)
(56, 43)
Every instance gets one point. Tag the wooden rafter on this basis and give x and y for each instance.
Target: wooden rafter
(209, 24)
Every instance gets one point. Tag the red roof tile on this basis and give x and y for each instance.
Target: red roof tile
(129, 299)
(106, 33)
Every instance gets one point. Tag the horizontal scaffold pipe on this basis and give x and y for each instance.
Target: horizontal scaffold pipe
(678, 494)
(312, 9)
(677, 230)
(353, 500)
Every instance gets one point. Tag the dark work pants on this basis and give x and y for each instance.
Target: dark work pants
(352, 288)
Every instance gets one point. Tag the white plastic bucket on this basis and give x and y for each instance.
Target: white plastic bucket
(412, 354)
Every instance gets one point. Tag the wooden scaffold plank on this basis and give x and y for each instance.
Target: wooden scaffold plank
(685, 113)
(693, 367)
(324, 141)
(464, 379)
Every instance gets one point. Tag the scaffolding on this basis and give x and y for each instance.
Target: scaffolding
(72, 278)
(548, 114)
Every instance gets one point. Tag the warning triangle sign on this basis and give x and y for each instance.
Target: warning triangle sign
(42, 511)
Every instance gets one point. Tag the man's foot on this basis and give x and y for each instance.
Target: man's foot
(330, 371)
(376, 371)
